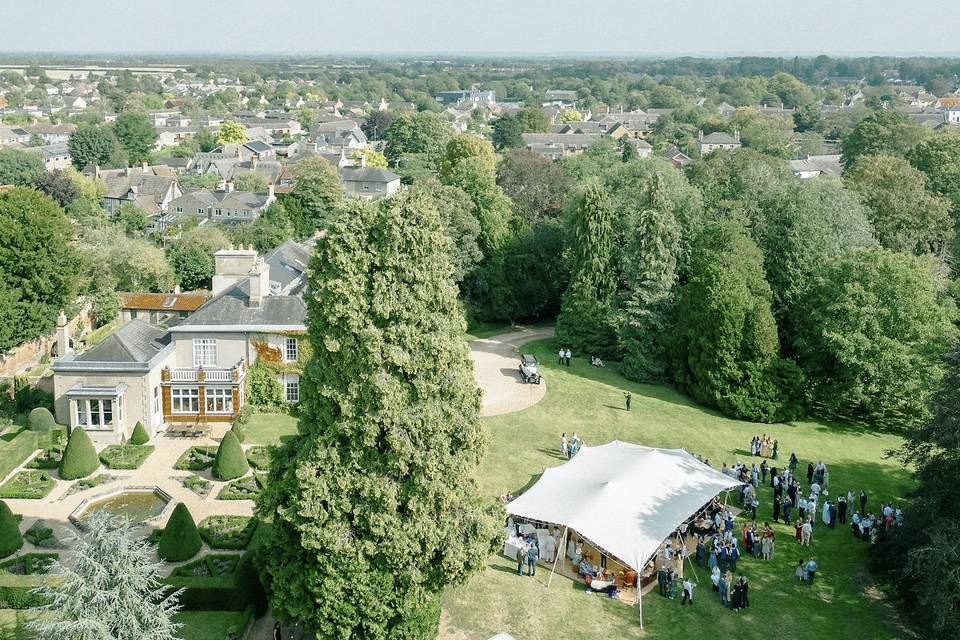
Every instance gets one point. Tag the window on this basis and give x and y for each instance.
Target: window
(185, 399)
(293, 389)
(157, 404)
(93, 413)
(219, 399)
(204, 352)
(179, 209)
(217, 211)
(291, 350)
(82, 418)
(199, 211)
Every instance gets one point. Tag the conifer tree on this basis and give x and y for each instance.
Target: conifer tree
(374, 505)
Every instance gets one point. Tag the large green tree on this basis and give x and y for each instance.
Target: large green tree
(906, 217)
(585, 323)
(191, 256)
(538, 187)
(506, 132)
(319, 192)
(20, 168)
(136, 135)
(97, 145)
(37, 259)
(374, 505)
(725, 351)
(875, 327)
(421, 132)
(882, 132)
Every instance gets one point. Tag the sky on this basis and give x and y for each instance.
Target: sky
(544, 27)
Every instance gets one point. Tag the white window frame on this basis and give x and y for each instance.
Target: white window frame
(291, 349)
(204, 352)
(157, 404)
(185, 400)
(98, 414)
(291, 389)
(218, 400)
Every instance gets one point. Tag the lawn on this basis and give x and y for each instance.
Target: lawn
(269, 428)
(843, 602)
(209, 625)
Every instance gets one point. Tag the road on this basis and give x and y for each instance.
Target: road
(496, 362)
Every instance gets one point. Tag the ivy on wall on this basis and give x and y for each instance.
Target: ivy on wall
(265, 390)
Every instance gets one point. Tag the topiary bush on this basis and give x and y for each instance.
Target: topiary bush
(231, 462)
(139, 435)
(238, 431)
(180, 540)
(10, 538)
(40, 419)
(79, 458)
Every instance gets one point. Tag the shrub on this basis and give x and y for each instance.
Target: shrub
(231, 462)
(200, 486)
(180, 540)
(210, 565)
(244, 415)
(16, 592)
(40, 419)
(29, 564)
(28, 485)
(239, 432)
(48, 458)
(140, 435)
(10, 538)
(259, 457)
(125, 456)
(15, 451)
(40, 535)
(242, 489)
(79, 458)
(196, 459)
(227, 532)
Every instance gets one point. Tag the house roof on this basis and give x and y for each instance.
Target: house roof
(145, 184)
(566, 139)
(288, 266)
(136, 341)
(163, 301)
(719, 137)
(367, 174)
(232, 308)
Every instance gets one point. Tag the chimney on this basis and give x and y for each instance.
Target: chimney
(126, 171)
(253, 162)
(363, 160)
(63, 335)
(270, 192)
(176, 289)
(736, 135)
(700, 135)
(259, 279)
(143, 165)
(96, 171)
(228, 186)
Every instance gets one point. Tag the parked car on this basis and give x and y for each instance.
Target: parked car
(529, 369)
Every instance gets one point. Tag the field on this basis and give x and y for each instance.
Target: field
(843, 602)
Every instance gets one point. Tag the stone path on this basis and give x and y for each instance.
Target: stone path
(496, 362)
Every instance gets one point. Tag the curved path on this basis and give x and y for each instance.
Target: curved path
(496, 362)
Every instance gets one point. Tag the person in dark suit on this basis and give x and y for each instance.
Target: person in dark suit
(277, 634)
(809, 473)
(833, 515)
(863, 501)
(842, 509)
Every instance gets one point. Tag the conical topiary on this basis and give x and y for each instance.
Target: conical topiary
(10, 538)
(139, 435)
(231, 462)
(239, 432)
(79, 458)
(180, 540)
(40, 419)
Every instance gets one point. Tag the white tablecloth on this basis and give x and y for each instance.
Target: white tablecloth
(512, 545)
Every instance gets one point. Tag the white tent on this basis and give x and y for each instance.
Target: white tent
(624, 498)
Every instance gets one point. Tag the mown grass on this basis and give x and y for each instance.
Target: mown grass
(843, 602)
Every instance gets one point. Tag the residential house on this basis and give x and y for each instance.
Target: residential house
(559, 97)
(54, 156)
(193, 373)
(371, 183)
(150, 192)
(709, 143)
(339, 133)
(677, 158)
(11, 136)
(548, 144)
(475, 96)
(641, 146)
(160, 308)
(815, 166)
(223, 205)
(52, 133)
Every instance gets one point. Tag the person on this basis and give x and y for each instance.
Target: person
(560, 356)
(863, 501)
(855, 524)
(793, 462)
(799, 531)
(842, 509)
(776, 508)
(745, 587)
(733, 556)
(766, 546)
(701, 551)
(801, 573)
(521, 558)
(566, 356)
(737, 600)
(627, 396)
(809, 473)
(811, 570)
(586, 569)
(806, 533)
(595, 361)
(277, 634)
(825, 513)
(564, 446)
(725, 589)
(687, 592)
(712, 559)
(833, 516)
(787, 508)
(802, 508)
(533, 554)
(715, 577)
(671, 584)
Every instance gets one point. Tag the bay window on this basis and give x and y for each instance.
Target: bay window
(219, 399)
(185, 399)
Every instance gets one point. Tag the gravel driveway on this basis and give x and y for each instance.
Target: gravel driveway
(496, 362)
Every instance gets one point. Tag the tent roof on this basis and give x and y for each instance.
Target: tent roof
(625, 498)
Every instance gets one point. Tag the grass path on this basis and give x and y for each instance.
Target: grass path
(843, 603)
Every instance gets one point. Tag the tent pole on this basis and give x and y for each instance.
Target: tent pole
(561, 551)
(640, 600)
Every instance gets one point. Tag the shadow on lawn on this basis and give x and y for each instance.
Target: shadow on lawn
(553, 453)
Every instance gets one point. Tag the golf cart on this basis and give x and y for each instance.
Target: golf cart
(529, 369)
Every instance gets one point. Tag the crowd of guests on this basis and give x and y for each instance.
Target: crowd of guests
(570, 447)
(765, 447)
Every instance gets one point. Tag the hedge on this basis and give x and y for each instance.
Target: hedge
(40, 419)
(180, 539)
(231, 463)
(139, 435)
(237, 430)
(48, 458)
(208, 566)
(30, 484)
(10, 538)
(15, 451)
(228, 532)
(196, 459)
(15, 591)
(79, 458)
(233, 592)
(34, 564)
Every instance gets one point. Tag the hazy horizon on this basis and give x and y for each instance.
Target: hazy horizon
(548, 28)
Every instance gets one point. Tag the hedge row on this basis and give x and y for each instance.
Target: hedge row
(33, 563)
(15, 591)
(14, 452)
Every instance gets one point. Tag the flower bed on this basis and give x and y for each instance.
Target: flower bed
(200, 486)
(259, 457)
(29, 564)
(30, 485)
(209, 566)
(227, 532)
(241, 489)
(125, 456)
(196, 459)
(40, 535)
(48, 458)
